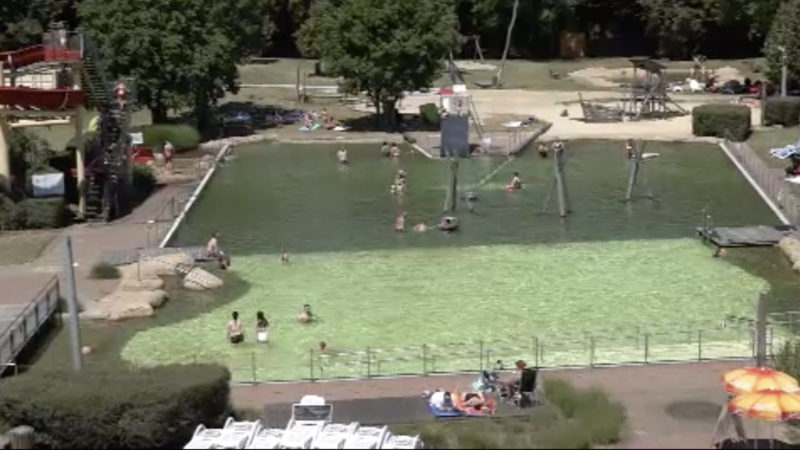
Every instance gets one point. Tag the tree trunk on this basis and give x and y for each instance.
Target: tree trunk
(390, 113)
(508, 43)
(158, 109)
(377, 100)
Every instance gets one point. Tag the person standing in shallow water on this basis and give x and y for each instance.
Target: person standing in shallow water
(385, 152)
(262, 326)
(235, 330)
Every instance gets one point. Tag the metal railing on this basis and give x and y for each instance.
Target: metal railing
(25, 324)
(734, 338)
(771, 180)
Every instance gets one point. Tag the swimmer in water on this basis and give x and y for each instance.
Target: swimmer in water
(421, 227)
(516, 183)
(543, 150)
(341, 155)
(284, 256)
(385, 152)
(629, 152)
(400, 222)
(394, 150)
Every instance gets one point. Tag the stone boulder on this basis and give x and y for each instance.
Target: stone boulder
(126, 304)
(144, 284)
(791, 248)
(199, 280)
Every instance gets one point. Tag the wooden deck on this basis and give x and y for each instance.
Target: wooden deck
(756, 236)
(26, 303)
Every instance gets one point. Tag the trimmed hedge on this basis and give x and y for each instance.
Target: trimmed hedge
(8, 210)
(429, 114)
(32, 213)
(144, 182)
(35, 213)
(183, 137)
(782, 111)
(149, 408)
(721, 120)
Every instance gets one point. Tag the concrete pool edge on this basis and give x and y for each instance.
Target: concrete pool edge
(754, 183)
(195, 195)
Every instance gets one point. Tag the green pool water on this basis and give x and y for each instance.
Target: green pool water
(614, 282)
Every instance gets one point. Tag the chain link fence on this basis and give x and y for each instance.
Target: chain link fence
(733, 338)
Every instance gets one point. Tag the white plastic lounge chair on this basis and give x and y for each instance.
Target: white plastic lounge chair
(334, 435)
(204, 438)
(308, 418)
(266, 438)
(404, 442)
(237, 435)
(367, 438)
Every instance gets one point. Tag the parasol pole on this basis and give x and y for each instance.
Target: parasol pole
(761, 330)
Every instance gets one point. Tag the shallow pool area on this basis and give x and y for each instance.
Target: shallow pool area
(614, 282)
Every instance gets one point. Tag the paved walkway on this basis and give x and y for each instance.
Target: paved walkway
(668, 406)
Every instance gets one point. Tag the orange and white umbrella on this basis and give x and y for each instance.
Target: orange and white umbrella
(754, 379)
(767, 405)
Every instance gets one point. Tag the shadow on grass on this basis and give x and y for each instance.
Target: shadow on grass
(405, 123)
(51, 350)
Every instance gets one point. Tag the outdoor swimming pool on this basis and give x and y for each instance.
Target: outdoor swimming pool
(614, 282)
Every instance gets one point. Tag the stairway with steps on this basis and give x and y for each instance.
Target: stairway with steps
(110, 175)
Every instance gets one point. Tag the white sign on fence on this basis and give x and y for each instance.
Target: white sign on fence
(48, 184)
(137, 138)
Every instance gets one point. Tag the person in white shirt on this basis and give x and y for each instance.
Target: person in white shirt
(441, 401)
(212, 248)
(342, 155)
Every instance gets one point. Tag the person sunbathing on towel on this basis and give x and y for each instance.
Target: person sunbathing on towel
(441, 401)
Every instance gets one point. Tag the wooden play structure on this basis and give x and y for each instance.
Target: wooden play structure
(646, 96)
(78, 80)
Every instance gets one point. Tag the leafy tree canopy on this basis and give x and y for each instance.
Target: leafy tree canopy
(383, 47)
(181, 52)
(785, 33)
(23, 21)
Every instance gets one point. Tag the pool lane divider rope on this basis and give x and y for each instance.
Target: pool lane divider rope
(198, 190)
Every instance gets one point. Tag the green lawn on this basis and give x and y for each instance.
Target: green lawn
(390, 302)
(518, 74)
(21, 247)
(761, 141)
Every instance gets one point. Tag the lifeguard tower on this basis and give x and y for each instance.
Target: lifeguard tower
(53, 83)
(458, 113)
(646, 96)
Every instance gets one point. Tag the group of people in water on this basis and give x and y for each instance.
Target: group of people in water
(234, 332)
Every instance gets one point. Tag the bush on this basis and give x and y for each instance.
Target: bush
(104, 271)
(429, 114)
(8, 212)
(725, 121)
(782, 111)
(104, 409)
(33, 213)
(183, 137)
(602, 419)
(144, 182)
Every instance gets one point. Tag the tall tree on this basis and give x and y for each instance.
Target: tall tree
(679, 25)
(784, 34)
(508, 43)
(383, 47)
(181, 52)
(23, 21)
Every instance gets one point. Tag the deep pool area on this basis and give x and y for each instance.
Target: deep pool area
(613, 282)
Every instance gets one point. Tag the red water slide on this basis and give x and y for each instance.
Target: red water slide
(46, 99)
